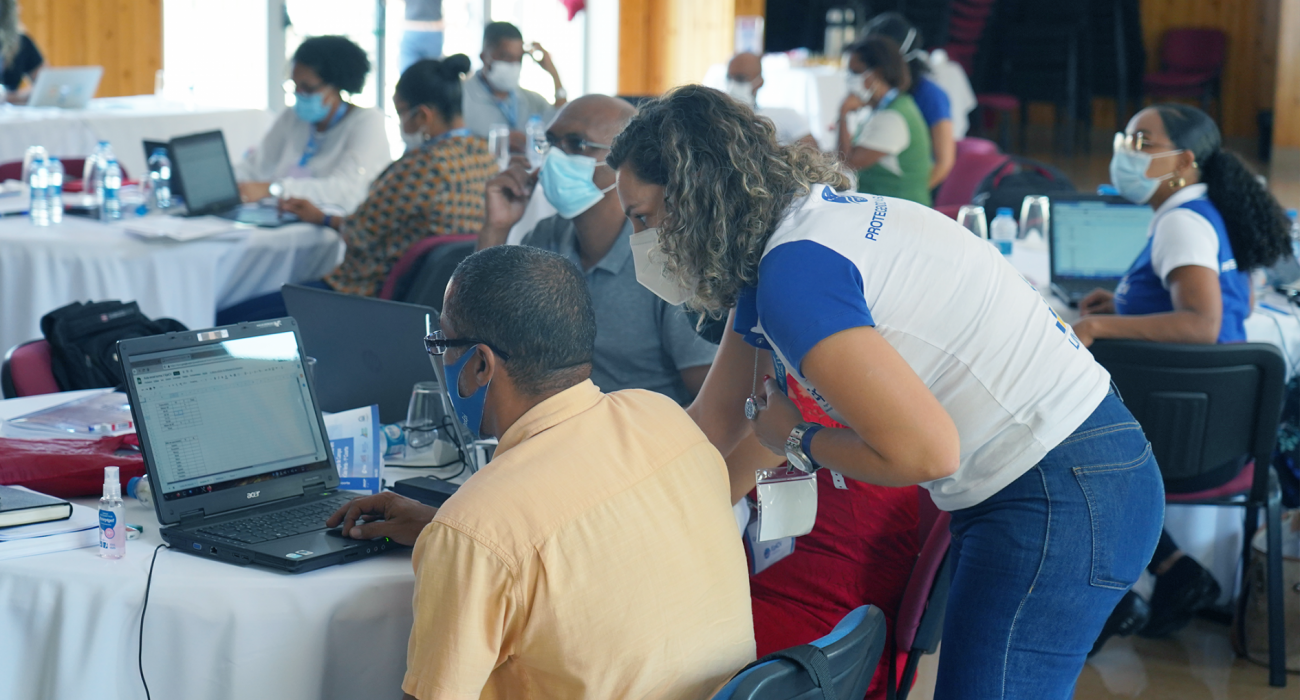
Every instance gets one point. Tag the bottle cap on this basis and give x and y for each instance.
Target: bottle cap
(112, 483)
(1004, 211)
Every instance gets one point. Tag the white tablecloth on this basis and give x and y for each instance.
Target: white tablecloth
(70, 622)
(815, 92)
(125, 122)
(42, 269)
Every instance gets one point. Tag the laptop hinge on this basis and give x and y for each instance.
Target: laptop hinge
(192, 517)
(313, 485)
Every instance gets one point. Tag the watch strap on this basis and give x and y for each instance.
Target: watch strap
(805, 444)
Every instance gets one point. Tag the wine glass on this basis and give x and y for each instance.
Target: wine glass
(971, 216)
(1034, 215)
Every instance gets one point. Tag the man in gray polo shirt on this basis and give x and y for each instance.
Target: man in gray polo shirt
(493, 96)
(641, 341)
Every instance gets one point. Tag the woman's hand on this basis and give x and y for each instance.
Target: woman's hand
(254, 191)
(1098, 301)
(304, 210)
(851, 104)
(777, 416)
(1086, 329)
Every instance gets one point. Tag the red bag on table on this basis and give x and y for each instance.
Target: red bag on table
(68, 468)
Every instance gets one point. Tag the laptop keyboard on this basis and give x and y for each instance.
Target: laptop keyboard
(279, 524)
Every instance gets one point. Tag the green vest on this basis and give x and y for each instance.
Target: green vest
(915, 161)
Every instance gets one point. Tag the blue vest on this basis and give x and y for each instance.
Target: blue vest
(1141, 293)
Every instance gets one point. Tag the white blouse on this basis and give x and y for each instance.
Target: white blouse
(349, 156)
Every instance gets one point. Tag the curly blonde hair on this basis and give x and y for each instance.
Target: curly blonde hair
(727, 186)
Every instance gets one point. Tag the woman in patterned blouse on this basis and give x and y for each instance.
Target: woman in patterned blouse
(435, 189)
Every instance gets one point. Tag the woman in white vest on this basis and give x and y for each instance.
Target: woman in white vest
(950, 371)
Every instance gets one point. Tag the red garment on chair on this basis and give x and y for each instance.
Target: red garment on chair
(573, 6)
(67, 468)
(861, 551)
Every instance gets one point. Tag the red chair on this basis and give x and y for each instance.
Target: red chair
(1191, 64)
(967, 173)
(974, 145)
(28, 370)
(413, 254)
(919, 626)
(74, 169)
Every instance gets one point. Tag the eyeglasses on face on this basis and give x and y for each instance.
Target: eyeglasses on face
(572, 144)
(436, 343)
(1137, 141)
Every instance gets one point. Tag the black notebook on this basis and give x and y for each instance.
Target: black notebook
(22, 507)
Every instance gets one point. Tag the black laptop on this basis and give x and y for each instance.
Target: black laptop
(1093, 240)
(201, 163)
(238, 457)
(368, 351)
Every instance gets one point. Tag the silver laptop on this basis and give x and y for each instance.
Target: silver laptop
(239, 460)
(67, 88)
(1093, 240)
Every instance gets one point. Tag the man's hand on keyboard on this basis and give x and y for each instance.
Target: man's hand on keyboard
(385, 514)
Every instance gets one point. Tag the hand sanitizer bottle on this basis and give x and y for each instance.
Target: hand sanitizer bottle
(112, 530)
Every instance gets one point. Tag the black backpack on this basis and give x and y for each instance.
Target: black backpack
(1011, 182)
(83, 341)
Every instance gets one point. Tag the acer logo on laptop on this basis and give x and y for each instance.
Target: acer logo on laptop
(254, 494)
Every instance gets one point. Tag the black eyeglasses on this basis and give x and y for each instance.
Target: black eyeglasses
(573, 144)
(436, 343)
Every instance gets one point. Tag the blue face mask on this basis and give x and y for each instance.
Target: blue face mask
(1128, 173)
(469, 409)
(566, 182)
(311, 108)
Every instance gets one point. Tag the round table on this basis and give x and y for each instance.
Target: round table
(213, 631)
(125, 122)
(44, 268)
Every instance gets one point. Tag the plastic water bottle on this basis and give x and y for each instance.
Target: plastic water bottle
(96, 164)
(112, 529)
(55, 189)
(535, 141)
(160, 177)
(38, 181)
(112, 192)
(1003, 230)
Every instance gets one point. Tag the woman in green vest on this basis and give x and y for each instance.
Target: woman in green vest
(882, 134)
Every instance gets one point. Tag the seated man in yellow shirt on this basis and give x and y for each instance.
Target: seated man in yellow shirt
(596, 556)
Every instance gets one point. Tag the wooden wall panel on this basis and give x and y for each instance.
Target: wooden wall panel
(666, 43)
(1286, 108)
(124, 36)
(1244, 75)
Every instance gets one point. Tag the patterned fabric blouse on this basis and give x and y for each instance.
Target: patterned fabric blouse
(437, 190)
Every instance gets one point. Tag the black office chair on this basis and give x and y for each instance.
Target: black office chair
(1209, 410)
(426, 281)
(839, 665)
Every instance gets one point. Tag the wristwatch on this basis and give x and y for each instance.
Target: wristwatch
(796, 447)
(561, 93)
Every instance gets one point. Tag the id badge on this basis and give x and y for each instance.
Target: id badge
(764, 554)
(787, 503)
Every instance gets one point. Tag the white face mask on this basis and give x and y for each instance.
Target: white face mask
(504, 76)
(414, 140)
(741, 92)
(858, 86)
(651, 269)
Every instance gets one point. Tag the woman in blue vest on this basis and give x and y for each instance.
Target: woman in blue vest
(1214, 223)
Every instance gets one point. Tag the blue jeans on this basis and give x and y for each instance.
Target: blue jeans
(1039, 566)
(418, 45)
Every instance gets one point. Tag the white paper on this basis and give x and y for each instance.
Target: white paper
(175, 228)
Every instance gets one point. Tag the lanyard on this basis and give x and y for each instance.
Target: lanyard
(313, 144)
(509, 106)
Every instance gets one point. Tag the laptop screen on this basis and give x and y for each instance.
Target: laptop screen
(1093, 239)
(227, 414)
(204, 166)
